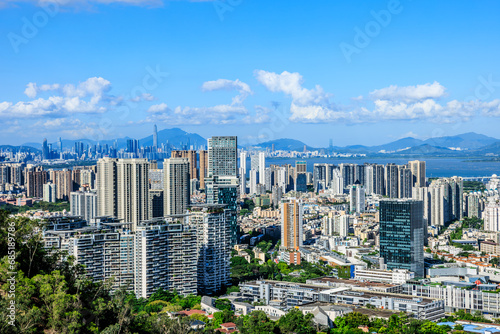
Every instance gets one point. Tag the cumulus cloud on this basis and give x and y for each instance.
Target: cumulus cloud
(410, 93)
(218, 114)
(89, 97)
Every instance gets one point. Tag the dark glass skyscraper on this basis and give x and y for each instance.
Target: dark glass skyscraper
(402, 234)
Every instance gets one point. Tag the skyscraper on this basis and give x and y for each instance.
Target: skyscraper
(243, 161)
(203, 167)
(155, 137)
(64, 184)
(402, 233)
(165, 257)
(405, 182)
(391, 181)
(418, 171)
(192, 158)
(291, 224)
(213, 246)
(45, 150)
(84, 204)
(357, 198)
(107, 201)
(222, 156)
(35, 179)
(176, 185)
(132, 190)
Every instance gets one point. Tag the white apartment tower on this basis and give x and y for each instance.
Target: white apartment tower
(176, 185)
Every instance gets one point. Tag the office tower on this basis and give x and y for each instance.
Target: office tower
(49, 192)
(492, 216)
(222, 156)
(35, 179)
(243, 163)
(391, 181)
(405, 182)
(155, 137)
(64, 184)
(83, 204)
(107, 198)
(290, 177)
(213, 246)
(337, 183)
(176, 186)
(132, 147)
(357, 198)
(156, 179)
(165, 257)
(301, 182)
(132, 190)
(45, 150)
(4, 174)
(60, 145)
(291, 224)
(106, 252)
(203, 167)
(418, 171)
(192, 158)
(402, 235)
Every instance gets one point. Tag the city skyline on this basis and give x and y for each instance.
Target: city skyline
(349, 73)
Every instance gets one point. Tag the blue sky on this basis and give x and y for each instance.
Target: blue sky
(364, 72)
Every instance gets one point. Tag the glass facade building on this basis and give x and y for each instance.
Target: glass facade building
(402, 234)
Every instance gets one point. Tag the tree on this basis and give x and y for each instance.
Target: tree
(296, 322)
(256, 322)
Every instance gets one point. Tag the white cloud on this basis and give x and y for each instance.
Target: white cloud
(410, 93)
(218, 114)
(89, 96)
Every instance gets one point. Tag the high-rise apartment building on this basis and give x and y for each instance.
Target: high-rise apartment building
(35, 179)
(132, 190)
(156, 203)
(84, 204)
(405, 182)
(418, 171)
(213, 246)
(64, 184)
(49, 192)
(156, 179)
(402, 233)
(391, 181)
(203, 167)
(357, 198)
(165, 257)
(192, 158)
(491, 217)
(176, 185)
(291, 224)
(107, 201)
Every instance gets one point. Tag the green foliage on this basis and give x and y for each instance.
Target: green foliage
(296, 322)
(344, 272)
(474, 186)
(45, 206)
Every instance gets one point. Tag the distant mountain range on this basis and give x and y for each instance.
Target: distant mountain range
(174, 136)
(460, 145)
(467, 144)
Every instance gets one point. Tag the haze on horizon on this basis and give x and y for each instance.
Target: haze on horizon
(366, 73)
